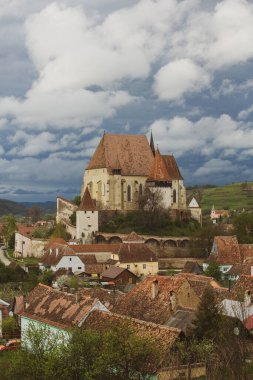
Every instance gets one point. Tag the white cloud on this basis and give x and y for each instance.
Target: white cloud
(214, 166)
(206, 136)
(178, 78)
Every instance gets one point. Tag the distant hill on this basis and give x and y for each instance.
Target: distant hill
(20, 208)
(231, 197)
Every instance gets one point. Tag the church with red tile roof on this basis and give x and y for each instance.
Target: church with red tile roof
(123, 165)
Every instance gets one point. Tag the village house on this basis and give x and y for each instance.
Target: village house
(56, 311)
(157, 298)
(218, 215)
(26, 245)
(238, 302)
(136, 257)
(119, 276)
(233, 258)
(59, 257)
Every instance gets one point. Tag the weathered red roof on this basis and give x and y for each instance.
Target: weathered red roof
(87, 203)
(172, 167)
(93, 248)
(165, 336)
(133, 236)
(135, 253)
(226, 250)
(139, 303)
(56, 308)
(159, 170)
(131, 153)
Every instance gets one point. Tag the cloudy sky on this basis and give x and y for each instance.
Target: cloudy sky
(70, 69)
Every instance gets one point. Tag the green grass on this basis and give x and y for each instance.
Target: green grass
(228, 197)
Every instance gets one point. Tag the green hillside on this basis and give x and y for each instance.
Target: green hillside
(224, 197)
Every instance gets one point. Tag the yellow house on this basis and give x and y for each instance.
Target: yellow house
(136, 257)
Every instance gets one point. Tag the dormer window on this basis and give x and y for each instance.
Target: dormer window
(116, 171)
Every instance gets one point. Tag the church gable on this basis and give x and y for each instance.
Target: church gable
(132, 153)
(172, 167)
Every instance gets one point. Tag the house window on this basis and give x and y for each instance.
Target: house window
(79, 267)
(144, 266)
(70, 259)
(140, 189)
(128, 266)
(174, 196)
(129, 195)
(89, 225)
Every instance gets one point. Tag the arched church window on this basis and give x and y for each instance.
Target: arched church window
(174, 196)
(140, 189)
(129, 195)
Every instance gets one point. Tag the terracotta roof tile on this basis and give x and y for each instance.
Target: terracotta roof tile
(243, 284)
(135, 252)
(139, 303)
(55, 307)
(87, 203)
(114, 272)
(199, 282)
(131, 152)
(108, 298)
(226, 250)
(172, 167)
(88, 259)
(246, 251)
(159, 170)
(93, 248)
(164, 335)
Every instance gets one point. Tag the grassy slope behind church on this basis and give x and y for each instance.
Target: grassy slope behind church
(224, 197)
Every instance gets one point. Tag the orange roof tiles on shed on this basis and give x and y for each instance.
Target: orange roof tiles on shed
(131, 153)
(87, 203)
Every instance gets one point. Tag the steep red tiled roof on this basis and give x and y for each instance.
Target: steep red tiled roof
(239, 269)
(226, 250)
(88, 259)
(135, 253)
(159, 170)
(131, 153)
(87, 203)
(199, 282)
(139, 303)
(93, 248)
(243, 284)
(56, 308)
(53, 255)
(108, 298)
(172, 167)
(246, 251)
(165, 336)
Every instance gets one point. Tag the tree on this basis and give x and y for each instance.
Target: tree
(60, 232)
(152, 214)
(77, 200)
(244, 227)
(46, 277)
(202, 240)
(42, 232)
(208, 318)
(9, 230)
(213, 270)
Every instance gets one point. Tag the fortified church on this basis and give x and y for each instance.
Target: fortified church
(116, 176)
(123, 165)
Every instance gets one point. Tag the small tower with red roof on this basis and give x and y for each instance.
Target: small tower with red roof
(86, 218)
